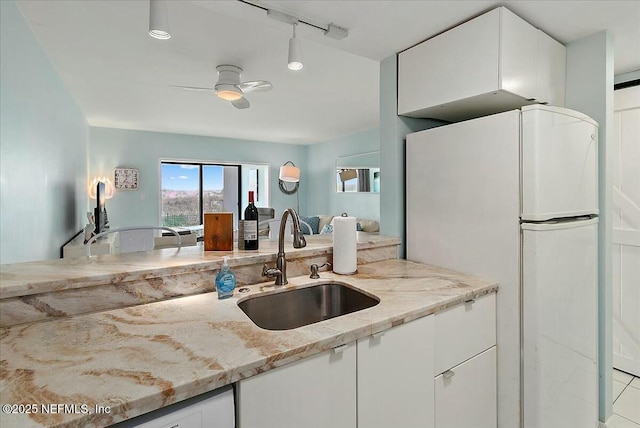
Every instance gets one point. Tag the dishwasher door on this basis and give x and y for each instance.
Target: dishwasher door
(211, 410)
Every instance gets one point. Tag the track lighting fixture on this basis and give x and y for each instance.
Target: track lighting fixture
(295, 52)
(159, 19)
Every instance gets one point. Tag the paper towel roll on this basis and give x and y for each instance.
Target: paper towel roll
(345, 252)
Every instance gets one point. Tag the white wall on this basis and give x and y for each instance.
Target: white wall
(589, 89)
(111, 148)
(43, 149)
(393, 131)
(321, 195)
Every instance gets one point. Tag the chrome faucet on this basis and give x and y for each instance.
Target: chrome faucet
(280, 271)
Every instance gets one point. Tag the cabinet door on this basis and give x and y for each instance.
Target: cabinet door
(466, 394)
(319, 391)
(457, 64)
(395, 377)
(552, 59)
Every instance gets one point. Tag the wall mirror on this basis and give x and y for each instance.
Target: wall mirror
(358, 173)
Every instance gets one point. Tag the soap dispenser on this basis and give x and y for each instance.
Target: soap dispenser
(225, 280)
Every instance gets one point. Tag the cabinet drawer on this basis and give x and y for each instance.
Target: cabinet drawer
(464, 331)
(466, 394)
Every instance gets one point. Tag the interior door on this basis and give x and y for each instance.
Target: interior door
(626, 231)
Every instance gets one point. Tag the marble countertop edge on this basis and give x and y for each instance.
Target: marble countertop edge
(16, 280)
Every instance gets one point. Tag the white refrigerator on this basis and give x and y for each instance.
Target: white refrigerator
(512, 197)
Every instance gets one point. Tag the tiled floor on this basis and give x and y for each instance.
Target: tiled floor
(626, 401)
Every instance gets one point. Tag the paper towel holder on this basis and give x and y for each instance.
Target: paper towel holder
(335, 252)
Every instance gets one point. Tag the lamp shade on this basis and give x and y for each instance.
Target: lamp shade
(290, 173)
(159, 20)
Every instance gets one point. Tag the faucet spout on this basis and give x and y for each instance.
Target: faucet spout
(298, 242)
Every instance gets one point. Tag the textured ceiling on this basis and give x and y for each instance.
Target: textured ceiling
(122, 78)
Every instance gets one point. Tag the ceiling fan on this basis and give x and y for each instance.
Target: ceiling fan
(230, 88)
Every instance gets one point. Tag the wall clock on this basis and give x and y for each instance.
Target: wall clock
(126, 178)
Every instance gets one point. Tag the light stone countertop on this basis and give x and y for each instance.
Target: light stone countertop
(135, 360)
(22, 279)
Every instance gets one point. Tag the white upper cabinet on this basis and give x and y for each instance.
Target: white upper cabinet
(493, 63)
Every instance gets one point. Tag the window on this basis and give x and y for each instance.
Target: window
(191, 189)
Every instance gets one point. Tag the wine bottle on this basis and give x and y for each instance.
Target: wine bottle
(251, 225)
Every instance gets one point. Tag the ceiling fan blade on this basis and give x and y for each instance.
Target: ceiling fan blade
(193, 88)
(240, 103)
(255, 86)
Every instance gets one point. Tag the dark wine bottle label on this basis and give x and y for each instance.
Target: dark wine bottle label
(251, 225)
(250, 230)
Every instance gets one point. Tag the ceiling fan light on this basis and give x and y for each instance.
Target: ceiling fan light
(228, 92)
(295, 52)
(229, 95)
(159, 20)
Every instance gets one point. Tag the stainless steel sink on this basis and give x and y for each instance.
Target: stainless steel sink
(287, 309)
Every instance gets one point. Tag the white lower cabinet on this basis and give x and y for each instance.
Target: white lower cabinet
(395, 377)
(319, 391)
(465, 373)
(465, 395)
(436, 371)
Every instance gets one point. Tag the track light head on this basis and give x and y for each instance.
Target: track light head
(159, 20)
(295, 52)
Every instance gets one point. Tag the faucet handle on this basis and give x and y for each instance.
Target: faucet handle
(314, 269)
(270, 272)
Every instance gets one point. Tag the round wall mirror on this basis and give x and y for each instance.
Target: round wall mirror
(288, 188)
(289, 178)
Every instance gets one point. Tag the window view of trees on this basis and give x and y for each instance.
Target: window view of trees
(213, 184)
(189, 190)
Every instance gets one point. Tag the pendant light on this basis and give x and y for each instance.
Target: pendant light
(159, 19)
(295, 52)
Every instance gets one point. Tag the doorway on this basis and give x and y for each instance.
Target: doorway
(626, 231)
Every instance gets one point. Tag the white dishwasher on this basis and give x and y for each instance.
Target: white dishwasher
(213, 409)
